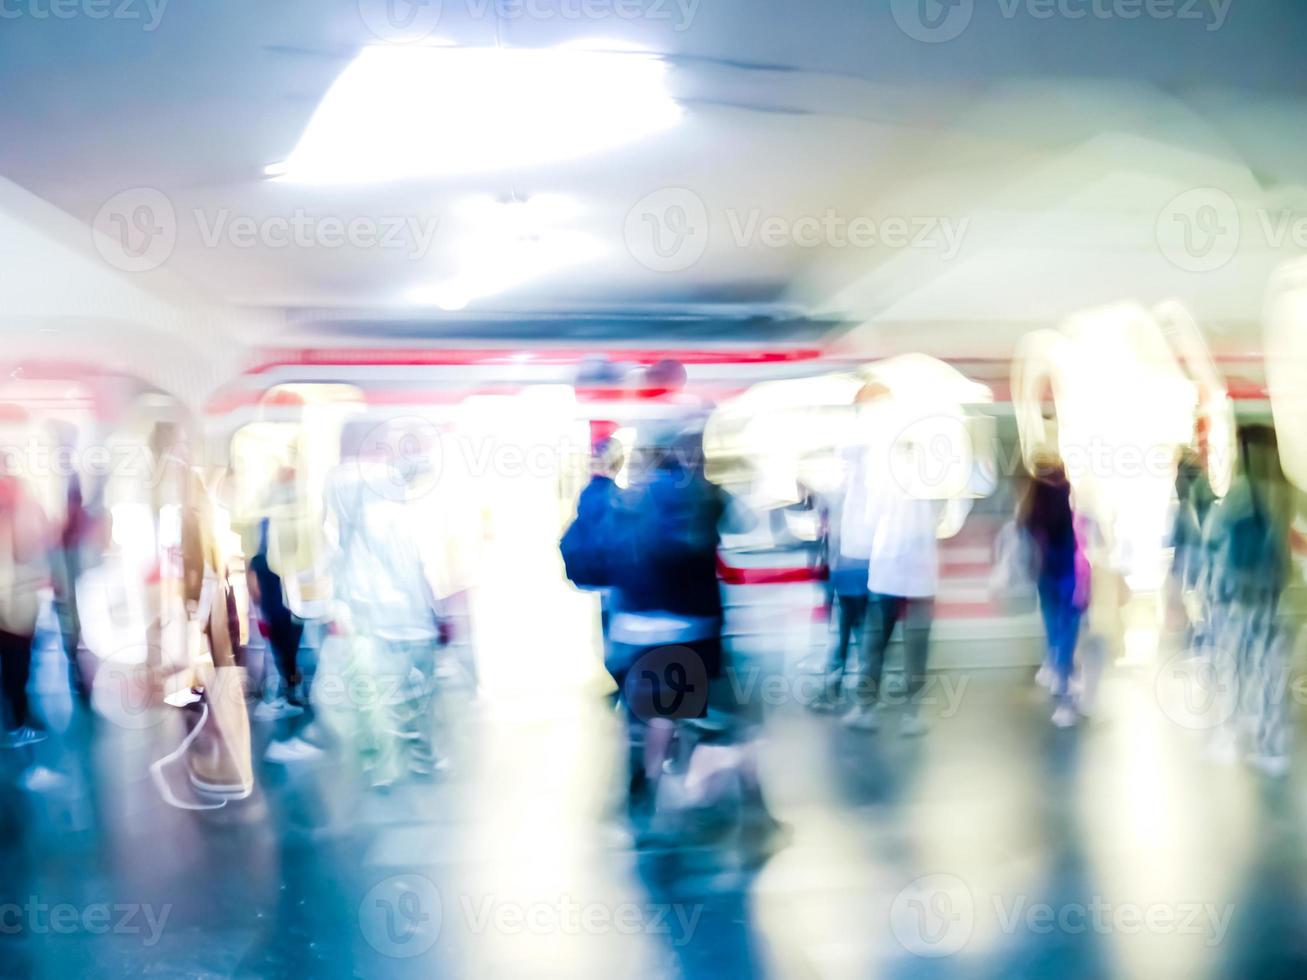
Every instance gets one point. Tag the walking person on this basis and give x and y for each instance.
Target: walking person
(668, 657)
(190, 635)
(849, 548)
(584, 545)
(284, 630)
(387, 544)
(663, 558)
(1247, 539)
(67, 554)
(1061, 577)
(24, 568)
(1194, 499)
(902, 534)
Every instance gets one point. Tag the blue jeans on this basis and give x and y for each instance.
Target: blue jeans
(1062, 627)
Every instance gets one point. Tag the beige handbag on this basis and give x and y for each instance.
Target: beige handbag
(217, 751)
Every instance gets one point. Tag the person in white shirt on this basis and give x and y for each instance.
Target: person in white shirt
(900, 527)
(385, 540)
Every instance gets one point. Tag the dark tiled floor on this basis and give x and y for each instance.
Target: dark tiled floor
(995, 846)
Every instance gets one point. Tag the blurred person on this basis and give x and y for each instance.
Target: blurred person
(583, 545)
(664, 379)
(901, 535)
(1061, 576)
(1194, 499)
(849, 568)
(284, 630)
(671, 610)
(667, 576)
(24, 569)
(386, 604)
(67, 553)
(283, 633)
(191, 631)
(1246, 537)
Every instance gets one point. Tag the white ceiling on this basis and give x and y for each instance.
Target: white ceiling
(1056, 144)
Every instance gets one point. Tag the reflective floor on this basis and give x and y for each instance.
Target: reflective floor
(995, 845)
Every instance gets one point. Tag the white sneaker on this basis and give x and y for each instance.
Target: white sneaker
(863, 718)
(1065, 716)
(27, 735)
(292, 750)
(183, 697)
(1275, 766)
(37, 779)
(913, 725)
(1086, 707)
(1044, 677)
(276, 709)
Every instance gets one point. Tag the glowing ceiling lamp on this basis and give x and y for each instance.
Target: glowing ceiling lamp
(494, 266)
(399, 112)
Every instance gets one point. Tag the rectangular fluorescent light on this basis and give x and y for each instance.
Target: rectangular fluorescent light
(400, 111)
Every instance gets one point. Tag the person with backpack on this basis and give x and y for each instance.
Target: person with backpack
(584, 544)
(667, 655)
(662, 561)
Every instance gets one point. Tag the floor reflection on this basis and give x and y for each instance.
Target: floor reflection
(1037, 852)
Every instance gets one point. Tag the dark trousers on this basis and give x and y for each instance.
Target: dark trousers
(284, 639)
(15, 672)
(851, 611)
(884, 613)
(284, 630)
(65, 569)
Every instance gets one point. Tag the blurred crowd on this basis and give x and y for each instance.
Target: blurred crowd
(324, 597)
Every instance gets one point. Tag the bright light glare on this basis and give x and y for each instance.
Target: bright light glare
(517, 217)
(399, 112)
(495, 264)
